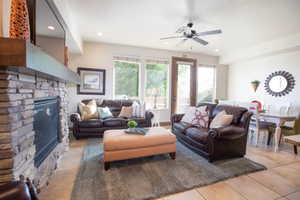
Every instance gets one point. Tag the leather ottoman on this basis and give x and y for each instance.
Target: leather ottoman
(119, 145)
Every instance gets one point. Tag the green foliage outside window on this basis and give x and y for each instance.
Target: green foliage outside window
(126, 79)
(157, 78)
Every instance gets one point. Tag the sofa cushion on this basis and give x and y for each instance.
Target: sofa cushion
(91, 123)
(198, 134)
(181, 126)
(237, 112)
(114, 122)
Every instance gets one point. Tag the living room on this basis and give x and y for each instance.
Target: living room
(149, 100)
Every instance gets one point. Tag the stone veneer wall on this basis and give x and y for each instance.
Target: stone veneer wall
(17, 149)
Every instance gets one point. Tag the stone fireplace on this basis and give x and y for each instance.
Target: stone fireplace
(33, 125)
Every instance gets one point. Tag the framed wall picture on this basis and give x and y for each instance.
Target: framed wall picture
(92, 81)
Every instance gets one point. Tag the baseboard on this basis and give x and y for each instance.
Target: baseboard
(165, 123)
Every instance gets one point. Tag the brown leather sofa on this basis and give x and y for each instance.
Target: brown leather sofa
(96, 127)
(17, 190)
(215, 144)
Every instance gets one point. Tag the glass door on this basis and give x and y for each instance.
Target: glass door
(183, 87)
(184, 84)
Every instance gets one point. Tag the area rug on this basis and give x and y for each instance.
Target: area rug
(151, 177)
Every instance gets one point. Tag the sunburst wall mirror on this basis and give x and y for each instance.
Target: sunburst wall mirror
(279, 83)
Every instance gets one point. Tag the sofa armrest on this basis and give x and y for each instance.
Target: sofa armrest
(245, 120)
(75, 117)
(176, 118)
(227, 132)
(149, 115)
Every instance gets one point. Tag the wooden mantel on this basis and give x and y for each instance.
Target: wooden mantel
(23, 56)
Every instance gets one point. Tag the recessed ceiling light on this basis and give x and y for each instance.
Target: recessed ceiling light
(51, 28)
(216, 50)
(99, 34)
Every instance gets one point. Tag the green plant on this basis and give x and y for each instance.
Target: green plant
(132, 124)
(255, 82)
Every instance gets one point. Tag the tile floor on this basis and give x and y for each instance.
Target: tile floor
(281, 181)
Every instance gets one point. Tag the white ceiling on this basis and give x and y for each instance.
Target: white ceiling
(142, 22)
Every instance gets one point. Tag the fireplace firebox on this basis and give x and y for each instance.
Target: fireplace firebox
(46, 127)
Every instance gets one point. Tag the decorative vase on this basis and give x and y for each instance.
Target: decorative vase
(255, 85)
(19, 20)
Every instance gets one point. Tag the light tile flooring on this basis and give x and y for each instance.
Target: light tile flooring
(281, 181)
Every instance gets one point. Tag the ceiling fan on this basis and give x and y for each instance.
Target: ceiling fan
(186, 32)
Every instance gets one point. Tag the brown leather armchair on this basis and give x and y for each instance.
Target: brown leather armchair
(18, 190)
(215, 144)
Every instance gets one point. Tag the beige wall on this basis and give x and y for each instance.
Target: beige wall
(100, 55)
(1, 18)
(242, 73)
(5, 17)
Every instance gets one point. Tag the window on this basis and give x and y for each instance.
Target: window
(156, 93)
(206, 84)
(126, 79)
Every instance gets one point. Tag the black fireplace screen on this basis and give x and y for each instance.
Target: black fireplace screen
(46, 127)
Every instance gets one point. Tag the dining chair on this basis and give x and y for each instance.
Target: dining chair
(264, 126)
(288, 130)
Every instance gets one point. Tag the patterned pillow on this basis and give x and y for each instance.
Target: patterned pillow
(201, 117)
(138, 110)
(126, 112)
(88, 111)
(104, 112)
(189, 115)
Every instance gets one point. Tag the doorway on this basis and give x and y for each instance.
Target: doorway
(184, 84)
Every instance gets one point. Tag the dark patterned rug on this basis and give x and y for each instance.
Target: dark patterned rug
(151, 177)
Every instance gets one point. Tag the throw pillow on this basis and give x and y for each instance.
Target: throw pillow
(88, 111)
(126, 112)
(104, 113)
(135, 109)
(221, 119)
(138, 109)
(189, 115)
(201, 117)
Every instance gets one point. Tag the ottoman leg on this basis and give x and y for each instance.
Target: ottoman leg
(106, 166)
(173, 155)
(295, 149)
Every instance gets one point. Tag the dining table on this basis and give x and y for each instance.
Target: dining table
(276, 117)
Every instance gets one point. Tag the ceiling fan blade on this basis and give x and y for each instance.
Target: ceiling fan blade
(171, 37)
(200, 41)
(209, 32)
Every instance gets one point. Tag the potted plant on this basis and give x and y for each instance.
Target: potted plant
(255, 84)
(132, 124)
